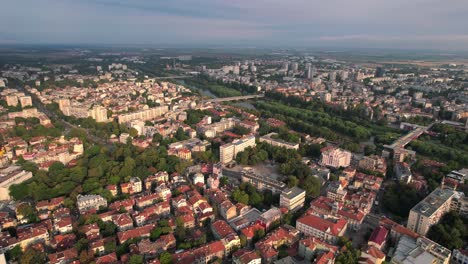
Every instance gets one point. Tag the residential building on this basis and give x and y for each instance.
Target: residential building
(460, 256)
(228, 152)
(245, 256)
(430, 210)
(335, 157)
(311, 247)
(91, 201)
(292, 198)
(325, 229)
(273, 139)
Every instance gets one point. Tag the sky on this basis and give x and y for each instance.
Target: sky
(400, 24)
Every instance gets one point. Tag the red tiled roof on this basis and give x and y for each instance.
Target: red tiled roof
(379, 235)
(222, 228)
(323, 225)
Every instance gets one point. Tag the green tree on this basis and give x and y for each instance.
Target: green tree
(136, 259)
(165, 258)
(32, 256)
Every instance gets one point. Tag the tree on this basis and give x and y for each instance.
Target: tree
(165, 258)
(14, 253)
(136, 259)
(400, 198)
(292, 181)
(27, 212)
(133, 132)
(32, 256)
(451, 231)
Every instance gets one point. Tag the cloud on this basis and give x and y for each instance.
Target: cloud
(404, 23)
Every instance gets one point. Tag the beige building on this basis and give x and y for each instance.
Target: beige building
(228, 152)
(273, 140)
(144, 115)
(98, 113)
(12, 100)
(335, 157)
(9, 176)
(91, 201)
(292, 198)
(25, 101)
(430, 210)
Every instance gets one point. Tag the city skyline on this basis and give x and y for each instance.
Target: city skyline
(422, 24)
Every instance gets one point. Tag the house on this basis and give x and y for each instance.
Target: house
(122, 221)
(245, 256)
(126, 204)
(142, 232)
(221, 229)
(107, 259)
(91, 201)
(63, 225)
(146, 200)
(91, 231)
(204, 254)
(227, 210)
(63, 257)
(371, 254)
(269, 245)
(378, 237)
(311, 247)
(61, 242)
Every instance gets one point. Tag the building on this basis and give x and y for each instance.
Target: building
(274, 140)
(201, 255)
(335, 157)
(25, 101)
(327, 230)
(292, 198)
(98, 113)
(403, 172)
(9, 176)
(420, 250)
(228, 152)
(311, 247)
(378, 237)
(91, 201)
(460, 176)
(373, 163)
(262, 182)
(460, 256)
(336, 192)
(245, 256)
(144, 115)
(430, 210)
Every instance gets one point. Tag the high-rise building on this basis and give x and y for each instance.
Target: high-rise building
(25, 101)
(379, 72)
(430, 210)
(98, 113)
(228, 152)
(12, 100)
(332, 76)
(294, 66)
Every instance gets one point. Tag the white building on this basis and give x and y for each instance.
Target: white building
(91, 201)
(228, 152)
(292, 198)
